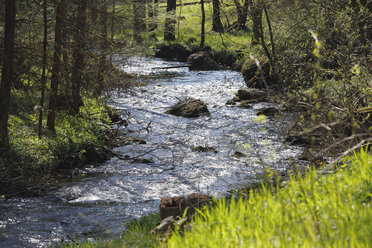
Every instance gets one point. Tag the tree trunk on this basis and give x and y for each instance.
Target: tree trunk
(56, 75)
(217, 24)
(43, 76)
(7, 75)
(242, 11)
(78, 55)
(243, 19)
(202, 38)
(112, 28)
(360, 22)
(103, 49)
(256, 15)
(139, 16)
(153, 6)
(170, 21)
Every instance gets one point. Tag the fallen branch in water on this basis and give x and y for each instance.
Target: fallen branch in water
(171, 67)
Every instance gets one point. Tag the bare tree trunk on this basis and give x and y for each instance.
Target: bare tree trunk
(217, 24)
(202, 38)
(242, 11)
(56, 75)
(139, 16)
(256, 15)
(43, 76)
(153, 6)
(170, 21)
(273, 53)
(103, 49)
(78, 55)
(112, 28)
(7, 75)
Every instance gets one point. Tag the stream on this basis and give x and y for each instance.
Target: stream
(118, 190)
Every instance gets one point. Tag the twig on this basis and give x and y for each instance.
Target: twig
(343, 140)
(360, 144)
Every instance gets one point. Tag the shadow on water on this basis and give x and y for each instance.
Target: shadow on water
(100, 203)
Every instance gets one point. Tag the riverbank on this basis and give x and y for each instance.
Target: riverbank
(315, 209)
(35, 164)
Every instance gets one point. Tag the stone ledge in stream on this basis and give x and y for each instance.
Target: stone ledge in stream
(189, 108)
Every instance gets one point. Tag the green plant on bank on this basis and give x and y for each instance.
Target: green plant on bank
(78, 140)
(312, 211)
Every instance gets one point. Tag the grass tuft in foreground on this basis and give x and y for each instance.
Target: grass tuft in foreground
(314, 211)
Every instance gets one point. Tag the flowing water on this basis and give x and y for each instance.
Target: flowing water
(118, 190)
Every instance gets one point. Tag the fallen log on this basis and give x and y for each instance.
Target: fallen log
(171, 67)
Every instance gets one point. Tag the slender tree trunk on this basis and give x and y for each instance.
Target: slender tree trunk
(103, 49)
(56, 68)
(139, 16)
(78, 55)
(170, 21)
(360, 23)
(217, 24)
(7, 75)
(112, 28)
(243, 19)
(43, 76)
(256, 12)
(153, 13)
(273, 52)
(202, 38)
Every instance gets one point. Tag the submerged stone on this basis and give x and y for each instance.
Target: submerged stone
(203, 149)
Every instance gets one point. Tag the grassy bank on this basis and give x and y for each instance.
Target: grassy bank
(33, 163)
(313, 211)
(316, 210)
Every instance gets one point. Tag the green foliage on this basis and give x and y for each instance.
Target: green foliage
(78, 140)
(314, 211)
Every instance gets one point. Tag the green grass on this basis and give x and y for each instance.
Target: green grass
(31, 161)
(313, 211)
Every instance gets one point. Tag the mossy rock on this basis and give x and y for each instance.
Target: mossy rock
(132, 140)
(204, 149)
(233, 101)
(245, 104)
(257, 95)
(190, 108)
(173, 52)
(202, 61)
(253, 77)
(268, 111)
(238, 154)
